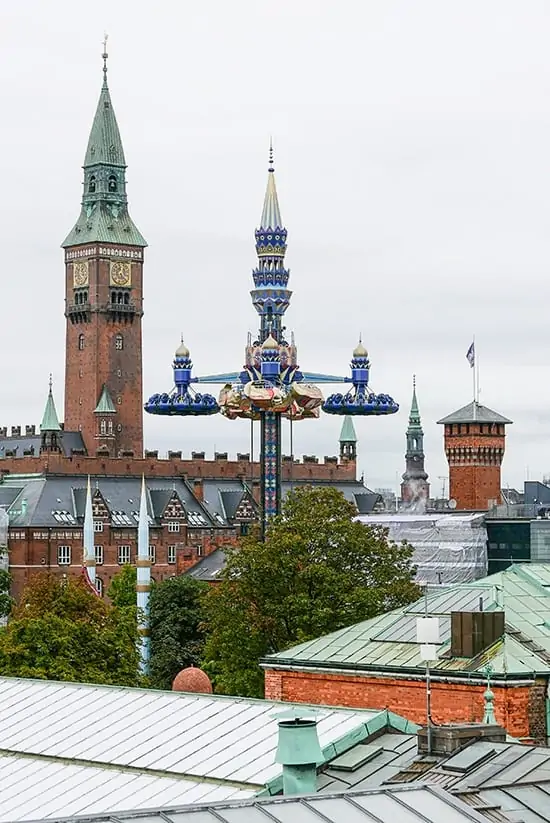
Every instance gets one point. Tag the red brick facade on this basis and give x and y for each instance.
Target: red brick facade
(521, 709)
(103, 346)
(474, 452)
(330, 470)
(35, 549)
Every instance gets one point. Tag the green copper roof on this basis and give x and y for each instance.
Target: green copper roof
(50, 420)
(347, 433)
(414, 415)
(388, 642)
(104, 143)
(105, 224)
(105, 405)
(104, 216)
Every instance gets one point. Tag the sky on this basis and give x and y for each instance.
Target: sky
(412, 161)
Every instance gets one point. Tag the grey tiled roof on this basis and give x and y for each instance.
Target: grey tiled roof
(46, 495)
(25, 443)
(209, 567)
(479, 414)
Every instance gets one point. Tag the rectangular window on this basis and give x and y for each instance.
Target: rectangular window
(98, 526)
(123, 554)
(173, 527)
(99, 586)
(99, 555)
(199, 551)
(64, 555)
(171, 554)
(152, 554)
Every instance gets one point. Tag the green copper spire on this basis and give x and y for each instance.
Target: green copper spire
(104, 216)
(105, 404)
(50, 420)
(347, 433)
(414, 416)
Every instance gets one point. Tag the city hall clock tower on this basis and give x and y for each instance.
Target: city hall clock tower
(104, 300)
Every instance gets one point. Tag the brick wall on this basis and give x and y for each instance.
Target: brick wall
(518, 709)
(173, 467)
(32, 550)
(101, 362)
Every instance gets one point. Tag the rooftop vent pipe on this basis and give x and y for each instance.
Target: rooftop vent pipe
(298, 751)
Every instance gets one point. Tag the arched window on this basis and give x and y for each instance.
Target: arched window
(91, 187)
(99, 586)
(110, 427)
(103, 427)
(126, 298)
(112, 183)
(113, 297)
(80, 341)
(119, 342)
(120, 297)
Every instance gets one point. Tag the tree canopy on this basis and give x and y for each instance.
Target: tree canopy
(176, 633)
(122, 591)
(318, 570)
(61, 630)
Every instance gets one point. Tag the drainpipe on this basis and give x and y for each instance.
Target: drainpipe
(298, 751)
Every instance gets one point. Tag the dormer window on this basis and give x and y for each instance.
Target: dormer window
(91, 187)
(112, 183)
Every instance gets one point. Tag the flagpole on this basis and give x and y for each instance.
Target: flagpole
(474, 375)
(477, 378)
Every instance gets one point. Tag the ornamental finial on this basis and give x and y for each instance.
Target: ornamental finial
(105, 56)
(51, 382)
(414, 381)
(271, 166)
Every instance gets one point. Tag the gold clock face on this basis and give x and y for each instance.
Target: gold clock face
(121, 273)
(80, 274)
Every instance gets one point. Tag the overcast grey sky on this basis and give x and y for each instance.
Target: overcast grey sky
(412, 159)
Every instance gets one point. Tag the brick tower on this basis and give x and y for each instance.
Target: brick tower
(415, 487)
(474, 445)
(103, 303)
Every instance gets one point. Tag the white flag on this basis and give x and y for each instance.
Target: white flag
(471, 355)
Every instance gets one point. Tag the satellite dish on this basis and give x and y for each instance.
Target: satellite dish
(452, 503)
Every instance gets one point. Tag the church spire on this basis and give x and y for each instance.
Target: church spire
(348, 439)
(415, 486)
(104, 216)
(414, 416)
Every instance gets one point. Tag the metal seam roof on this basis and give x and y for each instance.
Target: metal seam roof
(524, 594)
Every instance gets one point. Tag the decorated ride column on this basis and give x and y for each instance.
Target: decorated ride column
(270, 432)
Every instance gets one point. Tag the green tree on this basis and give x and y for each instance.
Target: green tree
(122, 591)
(6, 601)
(61, 630)
(176, 634)
(317, 571)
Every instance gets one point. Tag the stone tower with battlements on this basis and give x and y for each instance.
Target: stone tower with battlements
(104, 299)
(474, 445)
